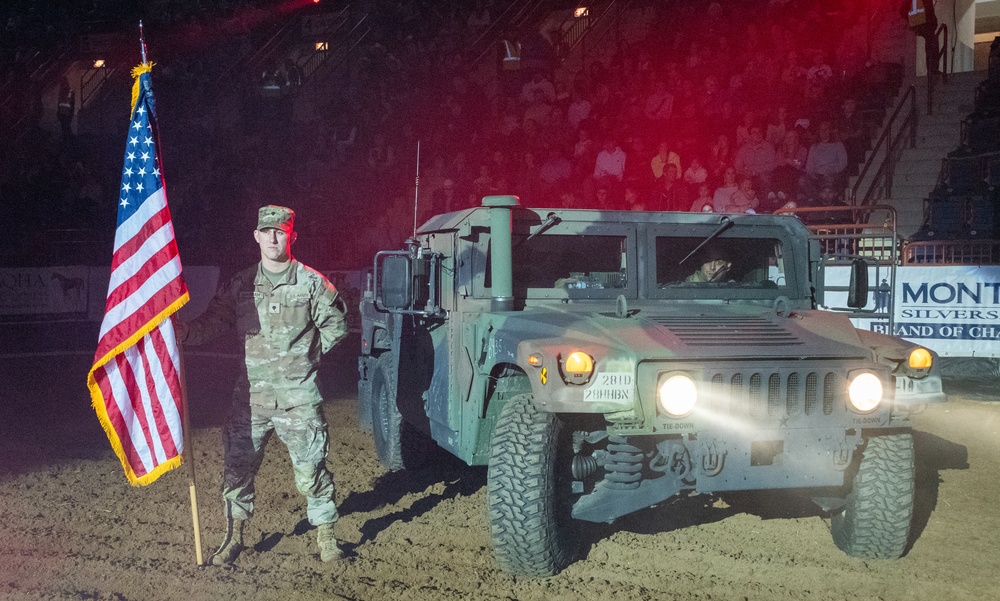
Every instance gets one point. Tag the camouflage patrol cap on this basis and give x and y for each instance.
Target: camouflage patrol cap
(275, 216)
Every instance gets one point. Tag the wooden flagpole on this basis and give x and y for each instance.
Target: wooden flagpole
(189, 461)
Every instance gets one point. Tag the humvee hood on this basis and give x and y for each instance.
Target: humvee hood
(697, 332)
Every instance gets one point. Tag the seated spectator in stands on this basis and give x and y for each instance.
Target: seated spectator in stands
(609, 166)
(525, 180)
(584, 152)
(756, 159)
(850, 128)
(819, 71)
(817, 103)
(556, 171)
(789, 167)
(445, 199)
(511, 119)
(826, 197)
(579, 107)
(703, 203)
(720, 157)
(538, 108)
(636, 174)
(780, 124)
(722, 197)
(793, 74)
(632, 200)
(501, 165)
(483, 184)
(344, 135)
(670, 194)
(659, 106)
(663, 156)
(827, 160)
(569, 199)
(381, 154)
(696, 173)
(688, 130)
(743, 129)
(563, 96)
(711, 97)
(745, 199)
(557, 129)
(726, 122)
(531, 135)
(538, 83)
(604, 199)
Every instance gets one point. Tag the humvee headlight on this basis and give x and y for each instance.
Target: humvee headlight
(678, 395)
(865, 392)
(920, 358)
(577, 367)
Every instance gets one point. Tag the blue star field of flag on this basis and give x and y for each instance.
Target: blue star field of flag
(141, 170)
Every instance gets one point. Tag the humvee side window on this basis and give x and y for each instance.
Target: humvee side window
(730, 262)
(569, 262)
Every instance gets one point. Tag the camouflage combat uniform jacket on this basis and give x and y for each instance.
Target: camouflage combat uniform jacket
(286, 328)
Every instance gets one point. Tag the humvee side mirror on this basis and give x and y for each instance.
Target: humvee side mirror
(857, 294)
(395, 282)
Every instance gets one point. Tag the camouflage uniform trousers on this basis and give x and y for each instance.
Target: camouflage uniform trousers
(303, 430)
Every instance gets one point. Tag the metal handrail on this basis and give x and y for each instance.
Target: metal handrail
(309, 64)
(581, 29)
(357, 34)
(951, 252)
(944, 52)
(91, 81)
(887, 166)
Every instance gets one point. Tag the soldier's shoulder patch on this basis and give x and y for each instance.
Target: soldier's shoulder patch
(314, 277)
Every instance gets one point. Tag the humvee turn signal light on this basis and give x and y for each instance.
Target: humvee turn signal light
(920, 358)
(577, 367)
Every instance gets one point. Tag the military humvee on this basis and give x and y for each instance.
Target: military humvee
(576, 354)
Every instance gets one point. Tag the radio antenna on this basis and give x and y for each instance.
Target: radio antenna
(416, 192)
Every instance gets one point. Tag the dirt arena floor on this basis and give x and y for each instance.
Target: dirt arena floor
(71, 527)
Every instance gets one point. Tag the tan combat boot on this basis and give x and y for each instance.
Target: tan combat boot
(329, 550)
(231, 546)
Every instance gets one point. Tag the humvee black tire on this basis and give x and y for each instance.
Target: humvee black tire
(398, 445)
(529, 512)
(875, 522)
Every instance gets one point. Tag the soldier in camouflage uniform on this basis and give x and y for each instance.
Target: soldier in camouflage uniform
(289, 315)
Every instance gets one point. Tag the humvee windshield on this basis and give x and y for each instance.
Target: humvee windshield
(597, 264)
(570, 262)
(750, 263)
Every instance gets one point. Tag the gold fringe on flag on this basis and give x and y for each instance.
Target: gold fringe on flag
(136, 72)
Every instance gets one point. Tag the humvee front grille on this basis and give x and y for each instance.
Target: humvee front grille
(727, 331)
(776, 394)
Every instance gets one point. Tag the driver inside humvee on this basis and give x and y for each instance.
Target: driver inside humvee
(715, 265)
(732, 262)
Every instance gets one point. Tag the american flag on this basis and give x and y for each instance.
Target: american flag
(135, 383)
